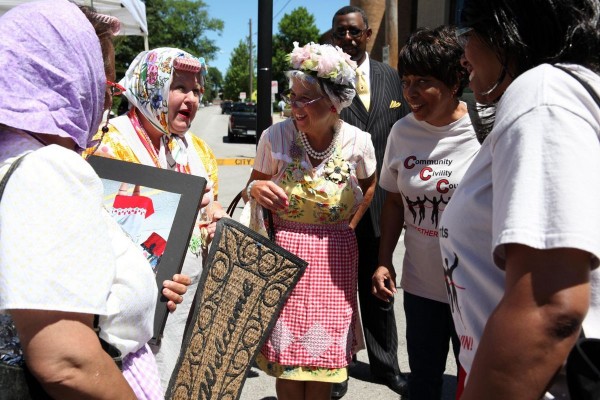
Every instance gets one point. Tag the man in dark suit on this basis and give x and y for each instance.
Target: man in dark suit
(375, 109)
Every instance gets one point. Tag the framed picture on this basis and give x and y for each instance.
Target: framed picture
(157, 208)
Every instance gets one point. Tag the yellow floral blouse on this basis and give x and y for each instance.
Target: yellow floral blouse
(326, 194)
(115, 146)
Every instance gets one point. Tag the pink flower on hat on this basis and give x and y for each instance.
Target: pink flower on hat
(325, 61)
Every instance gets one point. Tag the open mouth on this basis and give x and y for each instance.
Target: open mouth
(415, 107)
(470, 72)
(184, 113)
(299, 117)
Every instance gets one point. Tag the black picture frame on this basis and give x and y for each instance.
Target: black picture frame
(190, 188)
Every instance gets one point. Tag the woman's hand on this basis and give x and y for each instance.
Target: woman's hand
(216, 213)
(175, 289)
(384, 283)
(268, 195)
(208, 222)
(207, 197)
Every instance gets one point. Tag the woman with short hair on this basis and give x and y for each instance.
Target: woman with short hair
(427, 153)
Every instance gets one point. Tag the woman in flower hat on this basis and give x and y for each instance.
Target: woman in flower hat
(316, 174)
(164, 87)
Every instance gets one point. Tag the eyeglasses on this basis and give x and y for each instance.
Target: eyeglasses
(463, 35)
(115, 88)
(355, 33)
(298, 103)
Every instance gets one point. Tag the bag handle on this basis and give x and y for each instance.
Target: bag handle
(233, 205)
(266, 213)
(108, 348)
(11, 169)
(270, 226)
(583, 83)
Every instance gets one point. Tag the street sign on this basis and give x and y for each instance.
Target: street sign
(242, 95)
(274, 87)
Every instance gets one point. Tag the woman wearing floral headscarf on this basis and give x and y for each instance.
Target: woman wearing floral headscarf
(316, 174)
(164, 87)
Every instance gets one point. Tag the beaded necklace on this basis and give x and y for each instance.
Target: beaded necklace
(321, 155)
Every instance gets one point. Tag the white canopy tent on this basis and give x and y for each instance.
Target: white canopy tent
(131, 13)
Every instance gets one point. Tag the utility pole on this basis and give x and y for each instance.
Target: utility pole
(265, 50)
(391, 31)
(251, 67)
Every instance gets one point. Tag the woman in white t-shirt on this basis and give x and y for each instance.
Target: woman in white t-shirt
(522, 231)
(63, 259)
(425, 158)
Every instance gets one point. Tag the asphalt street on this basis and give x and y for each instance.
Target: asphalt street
(211, 126)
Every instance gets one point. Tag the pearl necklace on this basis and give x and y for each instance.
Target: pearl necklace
(321, 155)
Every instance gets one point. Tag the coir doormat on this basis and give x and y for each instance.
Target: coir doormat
(245, 282)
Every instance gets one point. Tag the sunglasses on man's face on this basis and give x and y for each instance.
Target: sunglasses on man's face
(354, 33)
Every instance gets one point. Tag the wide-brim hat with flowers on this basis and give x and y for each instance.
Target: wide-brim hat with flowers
(335, 69)
(324, 61)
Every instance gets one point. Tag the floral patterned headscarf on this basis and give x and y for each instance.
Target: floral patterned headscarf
(147, 83)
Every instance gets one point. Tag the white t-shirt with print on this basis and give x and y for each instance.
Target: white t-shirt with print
(61, 250)
(425, 163)
(535, 181)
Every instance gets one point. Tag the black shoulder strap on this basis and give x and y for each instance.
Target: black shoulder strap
(11, 169)
(268, 215)
(585, 84)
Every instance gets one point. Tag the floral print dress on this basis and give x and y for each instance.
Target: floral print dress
(314, 334)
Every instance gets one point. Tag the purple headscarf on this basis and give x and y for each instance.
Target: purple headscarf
(53, 78)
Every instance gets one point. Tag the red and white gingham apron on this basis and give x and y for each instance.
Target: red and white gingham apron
(316, 325)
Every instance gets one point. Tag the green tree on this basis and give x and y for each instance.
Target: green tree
(213, 85)
(297, 26)
(237, 77)
(172, 23)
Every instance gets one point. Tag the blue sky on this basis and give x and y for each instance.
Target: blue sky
(237, 13)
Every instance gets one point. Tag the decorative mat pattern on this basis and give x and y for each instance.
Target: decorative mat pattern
(245, 282)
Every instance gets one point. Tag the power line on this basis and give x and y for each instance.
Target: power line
(282, 8)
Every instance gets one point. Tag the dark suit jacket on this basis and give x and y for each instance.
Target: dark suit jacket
(385, 88)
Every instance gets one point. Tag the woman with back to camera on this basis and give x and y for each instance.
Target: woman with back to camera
(316, 174)
(63, 259)
(164, 87)
(427, 153)
(524, 252)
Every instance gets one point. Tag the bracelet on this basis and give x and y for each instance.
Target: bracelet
(249, 189)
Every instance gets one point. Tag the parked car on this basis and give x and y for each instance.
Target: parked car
(242, 121)
(226, 106)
